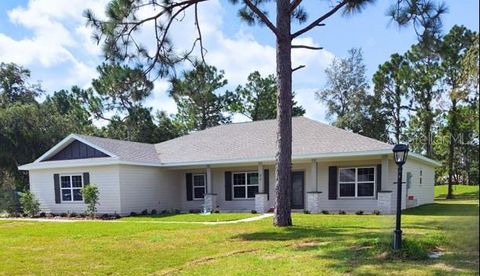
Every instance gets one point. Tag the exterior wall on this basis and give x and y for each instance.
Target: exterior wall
(422, 192)
(105, 177)
(148, 188)
(348, 205)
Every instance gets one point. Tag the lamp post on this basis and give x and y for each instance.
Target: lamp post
(400, 153)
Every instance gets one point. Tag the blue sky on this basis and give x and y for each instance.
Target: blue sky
(50, 38)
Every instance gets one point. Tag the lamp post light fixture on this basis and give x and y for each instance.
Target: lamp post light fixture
(400, 153)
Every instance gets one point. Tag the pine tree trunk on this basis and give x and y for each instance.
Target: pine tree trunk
(284, 117)
(451, 148)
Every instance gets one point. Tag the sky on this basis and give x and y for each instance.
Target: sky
(50, 38)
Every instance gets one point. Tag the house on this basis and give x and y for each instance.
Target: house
(229, 167)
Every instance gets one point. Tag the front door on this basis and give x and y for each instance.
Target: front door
(297, 190)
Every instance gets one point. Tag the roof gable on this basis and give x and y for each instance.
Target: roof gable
(76, 150)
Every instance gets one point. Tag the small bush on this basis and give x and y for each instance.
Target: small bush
(359, 212)
(51, 215)
(216, 211)
(90, 195)
(153, 212)
(82, 215)
(341, 212)
(376, 212)
(325, 212)
(63, 215)
(176, 211)
(194, 211)
(42, 214)
(164, 212)
(133, 214)
(144, 212)
(253, 211)
(73, 215)
(105, 217)
(30, 204)
(116, 216)
(306, 212)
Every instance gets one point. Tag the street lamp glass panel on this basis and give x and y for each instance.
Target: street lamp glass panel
(400, 153)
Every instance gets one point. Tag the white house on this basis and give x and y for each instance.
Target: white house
(229, 167)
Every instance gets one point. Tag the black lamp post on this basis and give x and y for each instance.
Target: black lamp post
(400, 153)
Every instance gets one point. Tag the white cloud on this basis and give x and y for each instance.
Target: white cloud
(59, 49)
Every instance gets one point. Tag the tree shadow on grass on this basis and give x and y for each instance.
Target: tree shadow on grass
(436, 209)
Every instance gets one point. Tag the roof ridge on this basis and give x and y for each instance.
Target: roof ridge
(112, 139)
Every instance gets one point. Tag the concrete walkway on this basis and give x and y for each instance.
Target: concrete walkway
(260, 217)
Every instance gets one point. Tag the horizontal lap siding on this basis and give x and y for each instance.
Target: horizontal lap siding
(148, 188)
(424, 193)
(105, 177)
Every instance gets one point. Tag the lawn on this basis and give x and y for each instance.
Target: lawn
(317, 244)
(191, 217)
(459, 191)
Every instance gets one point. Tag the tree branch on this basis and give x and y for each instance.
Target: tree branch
(320, 19)
(298, 68)
(262, 16)
(202, 54)
(306, 47)
(294, 5)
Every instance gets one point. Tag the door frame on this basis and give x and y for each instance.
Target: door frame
(302, 172)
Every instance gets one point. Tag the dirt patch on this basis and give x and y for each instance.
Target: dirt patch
(203, 260)
(308, 244)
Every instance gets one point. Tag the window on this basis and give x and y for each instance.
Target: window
(71, 186)
(198, 186)
(421, 175)
(245, 185)
(356, 182)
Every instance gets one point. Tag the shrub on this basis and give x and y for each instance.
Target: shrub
(144, 212)
(82, 215)
(105, 216)
(325, 212)
(116, 216)
(376, 212)
(153, 212)
(216, 211)
(194, 211)
(42, 214)
(176, 211)
(30, 204)
(359, 212)
(306, 212)
(90, 196)
(254, 211)
(51, 215)
(133, 214)
(164, 212)
(341, 212)
(64, 215)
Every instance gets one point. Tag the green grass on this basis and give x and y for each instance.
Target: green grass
(316, 245)
(459, 191)
(191, 217)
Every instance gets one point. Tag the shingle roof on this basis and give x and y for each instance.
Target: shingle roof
(125, 150)
(258, 140)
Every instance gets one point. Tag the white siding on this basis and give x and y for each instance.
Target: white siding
(148, 188)
(105, 177)
(424, 192)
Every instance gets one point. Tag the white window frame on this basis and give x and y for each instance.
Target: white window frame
(356, 182)
(199, 187)
(246, 185)
(71, 188)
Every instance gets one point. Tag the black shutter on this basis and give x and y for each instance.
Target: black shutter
(266, 183)
(189, 187)
(56, 185)
(228, 186)
(379, 179)
(332, 182)
(86, 179)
